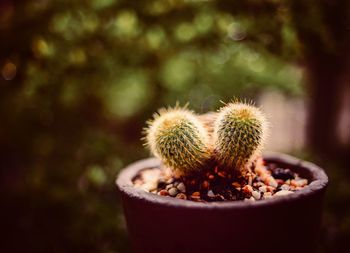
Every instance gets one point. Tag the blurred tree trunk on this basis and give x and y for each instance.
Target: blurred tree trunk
(325, 84)
(323, 30)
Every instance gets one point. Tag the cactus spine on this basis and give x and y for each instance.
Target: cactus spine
(239, 133)
(178, 138)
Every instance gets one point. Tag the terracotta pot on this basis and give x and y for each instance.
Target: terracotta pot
(282, 224)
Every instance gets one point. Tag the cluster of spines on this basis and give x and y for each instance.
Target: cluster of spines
(177, 137)
(185, 142)
(239, 133)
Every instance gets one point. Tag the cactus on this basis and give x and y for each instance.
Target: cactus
(178, 138)
(239, 133)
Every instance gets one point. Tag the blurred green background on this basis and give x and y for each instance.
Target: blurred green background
(78, 79)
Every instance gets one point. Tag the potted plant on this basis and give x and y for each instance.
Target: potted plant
(209, 189)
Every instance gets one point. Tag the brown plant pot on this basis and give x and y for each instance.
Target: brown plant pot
(283, 224)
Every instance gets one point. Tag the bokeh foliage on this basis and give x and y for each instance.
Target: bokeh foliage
(79, 79)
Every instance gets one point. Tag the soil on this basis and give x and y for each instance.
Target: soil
(262, 181)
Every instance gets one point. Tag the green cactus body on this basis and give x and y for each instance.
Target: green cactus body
(239, 133)
(178, 138)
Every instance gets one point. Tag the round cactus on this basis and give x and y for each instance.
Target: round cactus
(239, 133)
(178, 138)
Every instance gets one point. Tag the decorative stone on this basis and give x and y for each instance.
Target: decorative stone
(262, 189)
(211, 194)
(267, 195)
(273, 183)
(173, 192)
(181, 187)
(283, 193)
(285, 187)
(205, 185)
(256, 195)
(283, 174)
(181, 196)
(169, 186)
(247, 189)
(163, 193)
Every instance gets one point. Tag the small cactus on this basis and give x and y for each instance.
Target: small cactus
(178, 138)
(239, 133)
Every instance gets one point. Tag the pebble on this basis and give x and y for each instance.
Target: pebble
(181, 196)
(169, 181)
(211, 194)
(280, 181)
(195, 197)
(172, 191)
(273, 183)
(270, 188)
(222, 174)
(262, 189)
(205, 185)
(267, 195)
(149, 186)
(181, 187)
(256, 195)
(299, 183)
(163, 193)
(283, 174)
(283, 193)
(285, 187)
(247, 189)
(169, 186)
(249, 199)
(196, 194)
(258, 184)
(236, 185)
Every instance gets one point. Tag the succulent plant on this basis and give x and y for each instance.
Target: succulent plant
(179, 139)
(239, 133)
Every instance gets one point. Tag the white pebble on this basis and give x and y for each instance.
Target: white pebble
(170, 180)
(267, 195)
(149, 186)
(256, 195)
(169, 186)
(250, 199)
(283, 193)
(262, 188)
(273, 183)
(172, 191)
(211, 194)
(301, 182)
(285, 187)
(181, 187)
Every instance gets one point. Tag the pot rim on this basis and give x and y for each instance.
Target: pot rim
(125, 185)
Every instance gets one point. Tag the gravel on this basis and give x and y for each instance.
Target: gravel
(264, 182)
